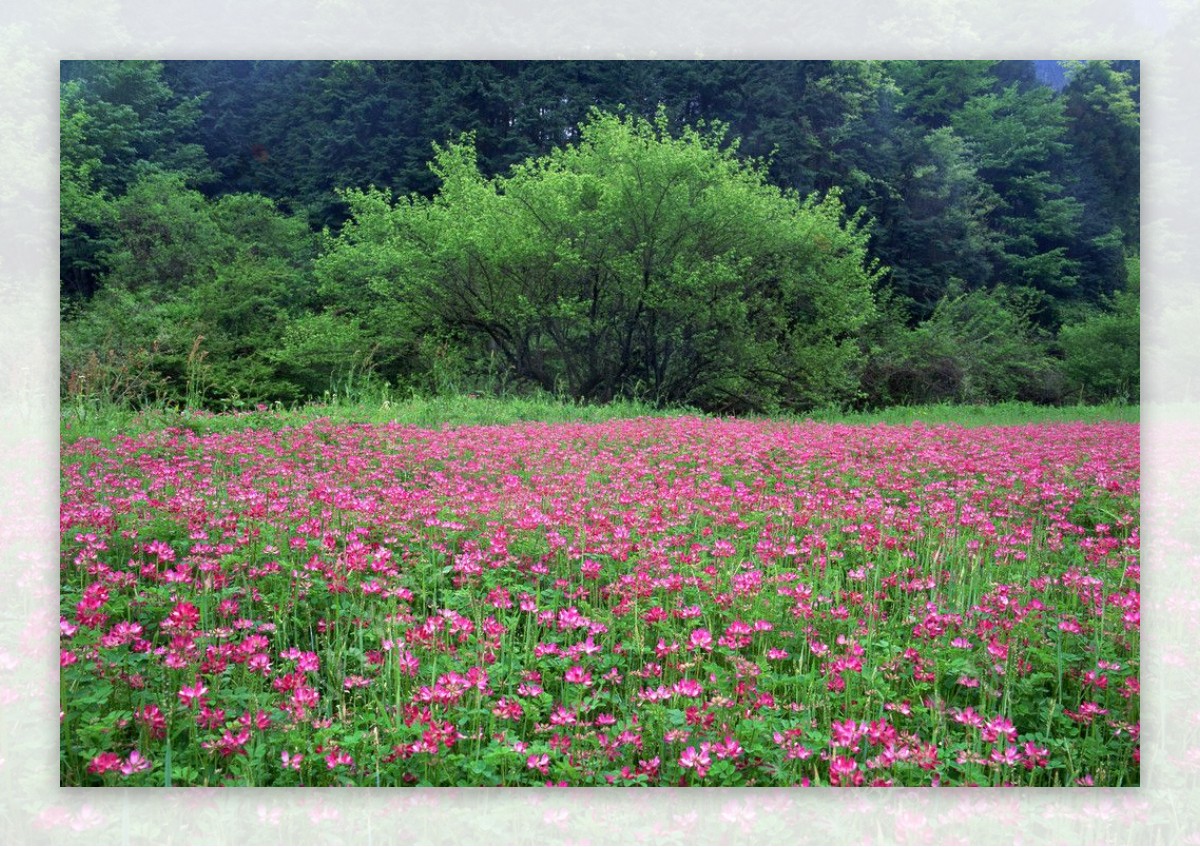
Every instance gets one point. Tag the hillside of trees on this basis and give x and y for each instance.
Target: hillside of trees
(740, 236)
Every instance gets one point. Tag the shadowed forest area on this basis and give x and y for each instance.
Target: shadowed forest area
(734, 236)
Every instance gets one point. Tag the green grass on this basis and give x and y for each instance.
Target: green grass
(106, 422)
(1001, 414)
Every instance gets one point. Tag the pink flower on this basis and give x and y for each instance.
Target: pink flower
(134, 763)
(193, 694)
(729, 748)
(1035, 756)
(845, 733)
(529, 689)
(967, 716)
(1087, 713)
(105, 762)
(700, 760)
(843, 767)
(154, 720)
(409, 664)
(561, 716)
(700, 639)
(576, 675)
(998, 727)
(259, 720)
(210, 718)
(508, 709)
(308, 661)
(1009, 756)
(229, 744)
(184, 618)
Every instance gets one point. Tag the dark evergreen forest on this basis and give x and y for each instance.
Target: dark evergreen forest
(740, 236)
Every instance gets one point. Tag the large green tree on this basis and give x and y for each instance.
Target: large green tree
(85, 205)
(120, 122)
(632, 262)
(1104, 131)
(1018, 141)
(137, 122)
(1104, 128)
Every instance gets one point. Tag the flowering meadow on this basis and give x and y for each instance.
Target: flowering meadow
(647, 602)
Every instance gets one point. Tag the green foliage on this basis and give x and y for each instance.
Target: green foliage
(1018, 140)
(85, 206)
(164, 238)
(136, 121)
(660, 264)
(120, 122)
(197, 302)
(633, 263)
(82, 199)
(932, 92)
(316, 350)
(936, 220)
(1008, 413)
(108, 420)
(1101, 351)
(976, 347)
(1105, 129)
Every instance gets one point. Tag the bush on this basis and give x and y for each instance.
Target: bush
(1101, 355)
(976, 347)
(196, 303)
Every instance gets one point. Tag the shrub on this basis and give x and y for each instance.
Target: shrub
(1101, 355)
(977, 347)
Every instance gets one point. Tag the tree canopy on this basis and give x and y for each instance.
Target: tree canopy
(630, 262)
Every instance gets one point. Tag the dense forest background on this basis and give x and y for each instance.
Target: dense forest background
(741, 236)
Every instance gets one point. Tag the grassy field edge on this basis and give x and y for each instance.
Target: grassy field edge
(105, 422)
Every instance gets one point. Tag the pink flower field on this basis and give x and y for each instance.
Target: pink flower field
(649, 602)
